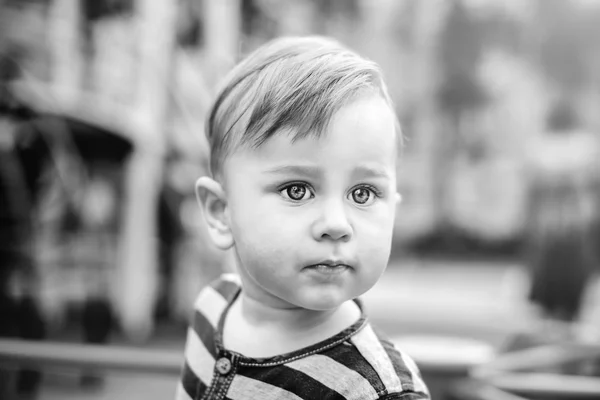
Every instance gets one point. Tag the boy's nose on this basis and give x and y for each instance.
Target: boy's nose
(333, 224)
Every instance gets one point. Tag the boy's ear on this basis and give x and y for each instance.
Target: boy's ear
(213, 202)
(398, 198)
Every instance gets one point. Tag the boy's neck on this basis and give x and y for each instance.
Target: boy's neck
(259, 314)
(289, 329)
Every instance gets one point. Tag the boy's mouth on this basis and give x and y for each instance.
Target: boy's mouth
(329, 267)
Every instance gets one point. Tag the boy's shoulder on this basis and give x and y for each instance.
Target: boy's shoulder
(372, 365)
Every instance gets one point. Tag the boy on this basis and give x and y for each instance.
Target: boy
(303, 143)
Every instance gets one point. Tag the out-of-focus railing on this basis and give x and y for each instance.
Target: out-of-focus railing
(137, 359)
(71, 355)
(548, 386)
(499, 379)
(517, 372)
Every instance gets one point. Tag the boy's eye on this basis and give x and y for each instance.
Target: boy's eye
(363, 196)
(296, 192)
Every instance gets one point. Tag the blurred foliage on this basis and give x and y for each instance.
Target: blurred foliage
(568, 43)
(561, 40)
(190, 26)
(256, 19)
(95, 10)
(466, 75)
(432, 54)
(461, 45)
(562, 118)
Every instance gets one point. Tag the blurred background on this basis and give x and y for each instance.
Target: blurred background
(102, 107)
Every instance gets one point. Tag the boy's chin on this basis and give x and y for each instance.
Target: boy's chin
(321, 304)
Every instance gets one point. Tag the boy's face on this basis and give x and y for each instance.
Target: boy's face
(312, 219)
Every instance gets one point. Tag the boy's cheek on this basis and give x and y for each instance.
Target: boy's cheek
(380, 226)
(259, 217)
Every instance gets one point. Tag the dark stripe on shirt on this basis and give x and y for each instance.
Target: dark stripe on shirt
(191, 383)
(293, 381)
(347, 355)
(205, 332)
(399, 366)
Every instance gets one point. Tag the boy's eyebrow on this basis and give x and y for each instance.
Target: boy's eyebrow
(371, 171)
(361, 171)
(305, 170)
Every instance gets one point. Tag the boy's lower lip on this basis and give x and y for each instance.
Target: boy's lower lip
(328, 269)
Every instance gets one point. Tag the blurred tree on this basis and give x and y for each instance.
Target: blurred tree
(405, 29)
(556, 38)
(329, 10)
(562, 118)
(189, 25)
(461, 45)
(503, 32)
(257, 19)
(563, 50)
(564, 46)
(94, 10)
(22, 3)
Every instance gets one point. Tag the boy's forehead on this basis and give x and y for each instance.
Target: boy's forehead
(369, 110)
(361, 134)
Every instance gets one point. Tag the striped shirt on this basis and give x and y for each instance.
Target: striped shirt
(356, 363)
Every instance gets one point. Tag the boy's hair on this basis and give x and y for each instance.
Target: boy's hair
(289, 83)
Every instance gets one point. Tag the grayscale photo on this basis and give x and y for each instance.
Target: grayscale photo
(299, 199)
